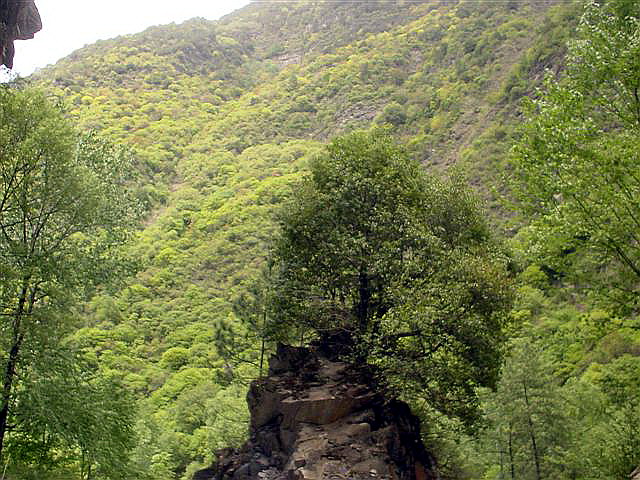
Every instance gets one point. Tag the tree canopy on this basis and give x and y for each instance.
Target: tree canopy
(64, 206)
(403, 260)
(578, 165)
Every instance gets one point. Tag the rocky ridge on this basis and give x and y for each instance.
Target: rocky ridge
(316, 417)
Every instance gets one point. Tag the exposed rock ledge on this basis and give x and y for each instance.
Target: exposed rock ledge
(315, 417)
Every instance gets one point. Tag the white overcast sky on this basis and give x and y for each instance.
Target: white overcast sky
(71, 24)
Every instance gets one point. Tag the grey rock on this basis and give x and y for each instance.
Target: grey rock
(19, 20)
(316, 418)
(242, 473)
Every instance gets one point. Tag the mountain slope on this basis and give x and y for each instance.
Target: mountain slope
(223, 117)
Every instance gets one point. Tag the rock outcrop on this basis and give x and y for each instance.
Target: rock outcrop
(315, 417)
(19, 20)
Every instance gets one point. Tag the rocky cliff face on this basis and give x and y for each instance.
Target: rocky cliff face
(315, 417)
(19, 20)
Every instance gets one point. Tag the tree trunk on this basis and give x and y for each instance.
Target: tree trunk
(501, 450)
(534, 446)
(264, 335)
(512, 467)
(364, 294)
(12, 362)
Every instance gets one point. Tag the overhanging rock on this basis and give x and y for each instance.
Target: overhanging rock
(19, 20)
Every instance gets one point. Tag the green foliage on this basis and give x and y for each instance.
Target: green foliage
(538, 428)
(446, 339)
(346, 233)
(222, 118)
(577, 170)
(371, 244)
(64, 207)
(528, 416)
(393, 113)
(578, 162)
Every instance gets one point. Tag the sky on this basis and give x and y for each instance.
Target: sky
(71, 24)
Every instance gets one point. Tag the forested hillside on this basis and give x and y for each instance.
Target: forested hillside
(223, 118)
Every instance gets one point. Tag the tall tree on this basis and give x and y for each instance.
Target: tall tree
(349, 233)
(404, 261)
(63, 206)
(578, 165)
(526, 412)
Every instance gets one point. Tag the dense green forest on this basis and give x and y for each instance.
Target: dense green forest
(164, 196)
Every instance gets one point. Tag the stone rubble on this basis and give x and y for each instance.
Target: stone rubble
(318, 418)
